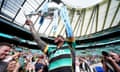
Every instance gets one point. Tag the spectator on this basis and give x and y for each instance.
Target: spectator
(39, 64)
(84, 64)
(4, 51)
(30, 64)
(111, 62)
(39, 67)
(10, 57)
(77, 64)
(13, 66)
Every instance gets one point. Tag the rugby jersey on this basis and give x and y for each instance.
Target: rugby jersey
(61, 57)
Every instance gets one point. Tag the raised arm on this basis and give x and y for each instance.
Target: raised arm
(114, 64)
(40, 42)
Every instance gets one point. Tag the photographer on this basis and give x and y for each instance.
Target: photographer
(111, 62)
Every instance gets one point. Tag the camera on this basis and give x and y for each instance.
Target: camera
(104, 53)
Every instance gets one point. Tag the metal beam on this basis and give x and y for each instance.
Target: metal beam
(18, 10)
(39, 27)
(80, 22)
(36, 20)
(73, 13)
(93, 19)
(2, 5)
(117, 10)
(106, 14)
(97, 10)
(78, 19)
(119, 22)
(40, 5)
(48, 27)
(90, 20)
(62, 29)
(83, 20)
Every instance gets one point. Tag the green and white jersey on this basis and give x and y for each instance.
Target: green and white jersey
(60, 57)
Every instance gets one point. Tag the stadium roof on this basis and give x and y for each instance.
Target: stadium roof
(86, 16)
